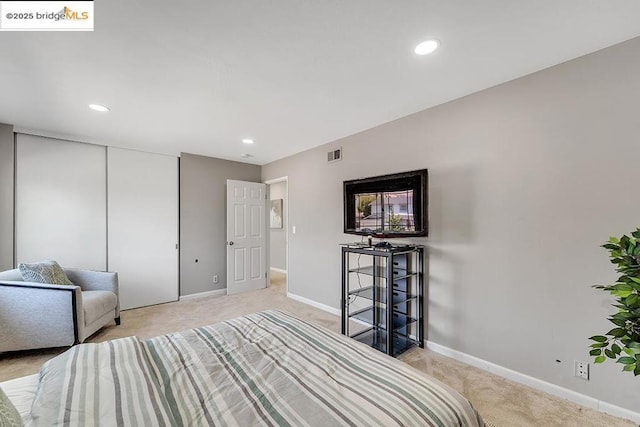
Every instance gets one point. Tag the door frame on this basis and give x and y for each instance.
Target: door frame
(286, 233)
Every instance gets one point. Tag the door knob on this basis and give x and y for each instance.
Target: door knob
(230, 243)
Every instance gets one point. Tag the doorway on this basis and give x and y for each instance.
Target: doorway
(278, 223)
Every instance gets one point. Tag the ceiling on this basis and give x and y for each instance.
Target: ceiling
(199, 76)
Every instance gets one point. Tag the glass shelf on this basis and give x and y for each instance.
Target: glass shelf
(396, 249)
(377, 338)
(366, 315)
(381, 271)
(381, 292)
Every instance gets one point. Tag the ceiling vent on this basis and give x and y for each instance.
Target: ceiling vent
(334, 155)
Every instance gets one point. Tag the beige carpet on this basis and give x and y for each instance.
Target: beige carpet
(501, 402)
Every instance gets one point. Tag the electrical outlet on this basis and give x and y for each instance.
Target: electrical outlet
(581, 370)
(215, 278)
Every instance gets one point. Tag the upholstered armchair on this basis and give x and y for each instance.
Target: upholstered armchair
(40, 315)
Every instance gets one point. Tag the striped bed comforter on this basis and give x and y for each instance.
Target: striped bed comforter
(264, 369)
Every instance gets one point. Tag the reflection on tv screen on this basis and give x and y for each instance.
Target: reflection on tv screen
(384, 212)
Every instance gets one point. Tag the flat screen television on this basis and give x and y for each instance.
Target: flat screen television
(387, 206)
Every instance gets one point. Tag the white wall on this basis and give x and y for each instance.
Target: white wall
(278, 236)
(527, 179)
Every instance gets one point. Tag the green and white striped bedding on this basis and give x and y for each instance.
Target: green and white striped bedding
(264, 369)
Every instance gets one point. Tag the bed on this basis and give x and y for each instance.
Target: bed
(266, 369)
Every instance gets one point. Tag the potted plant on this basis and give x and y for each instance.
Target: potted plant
(622, 343)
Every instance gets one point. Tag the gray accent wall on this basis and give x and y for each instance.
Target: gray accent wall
(278, 236)
(203, 196)
(527, 180)
(7, 159)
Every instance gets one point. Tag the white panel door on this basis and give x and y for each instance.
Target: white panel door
(61, 203)
(143, 226)
(246, 236)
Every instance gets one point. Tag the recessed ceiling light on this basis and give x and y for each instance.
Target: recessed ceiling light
(99, 107)
(246, 156)
(248, 141)
(426, 47)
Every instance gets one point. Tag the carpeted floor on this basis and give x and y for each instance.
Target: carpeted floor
(501, 402)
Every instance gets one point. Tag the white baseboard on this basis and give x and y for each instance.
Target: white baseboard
(556, 390)
(279, 270)
(312, 303)
(216, 293)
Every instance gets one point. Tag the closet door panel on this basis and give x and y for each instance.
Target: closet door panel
(61, 202)
(143, 226)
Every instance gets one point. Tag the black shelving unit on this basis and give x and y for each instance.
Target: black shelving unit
(382, 296)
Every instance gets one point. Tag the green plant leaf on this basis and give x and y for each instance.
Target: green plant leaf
(626, 360)
(599, 345)
(598, 338)
(595, 352)
(621, 289)
(621, 294)
(629, 351)
(617, 332)
(614, 240)
(623, 315)
(634, 345)
(610, 354)
(616, 349)
(599, 359)
(632, 300)
(636, 371)
(624, 241)
(617, 322)
(628, 368)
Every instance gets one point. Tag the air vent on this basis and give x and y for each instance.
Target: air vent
(334, 155)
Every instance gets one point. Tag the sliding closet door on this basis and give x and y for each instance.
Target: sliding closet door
(143, 226)
(60, 202)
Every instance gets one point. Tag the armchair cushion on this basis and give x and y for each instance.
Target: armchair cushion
(44, 272)
(96, 304)
(11, 275)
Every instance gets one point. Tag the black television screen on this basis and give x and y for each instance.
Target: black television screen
(387, 206)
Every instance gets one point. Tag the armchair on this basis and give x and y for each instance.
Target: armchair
(39, 315)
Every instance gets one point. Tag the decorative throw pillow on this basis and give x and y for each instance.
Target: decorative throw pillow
(9, 415)
(44, 272)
